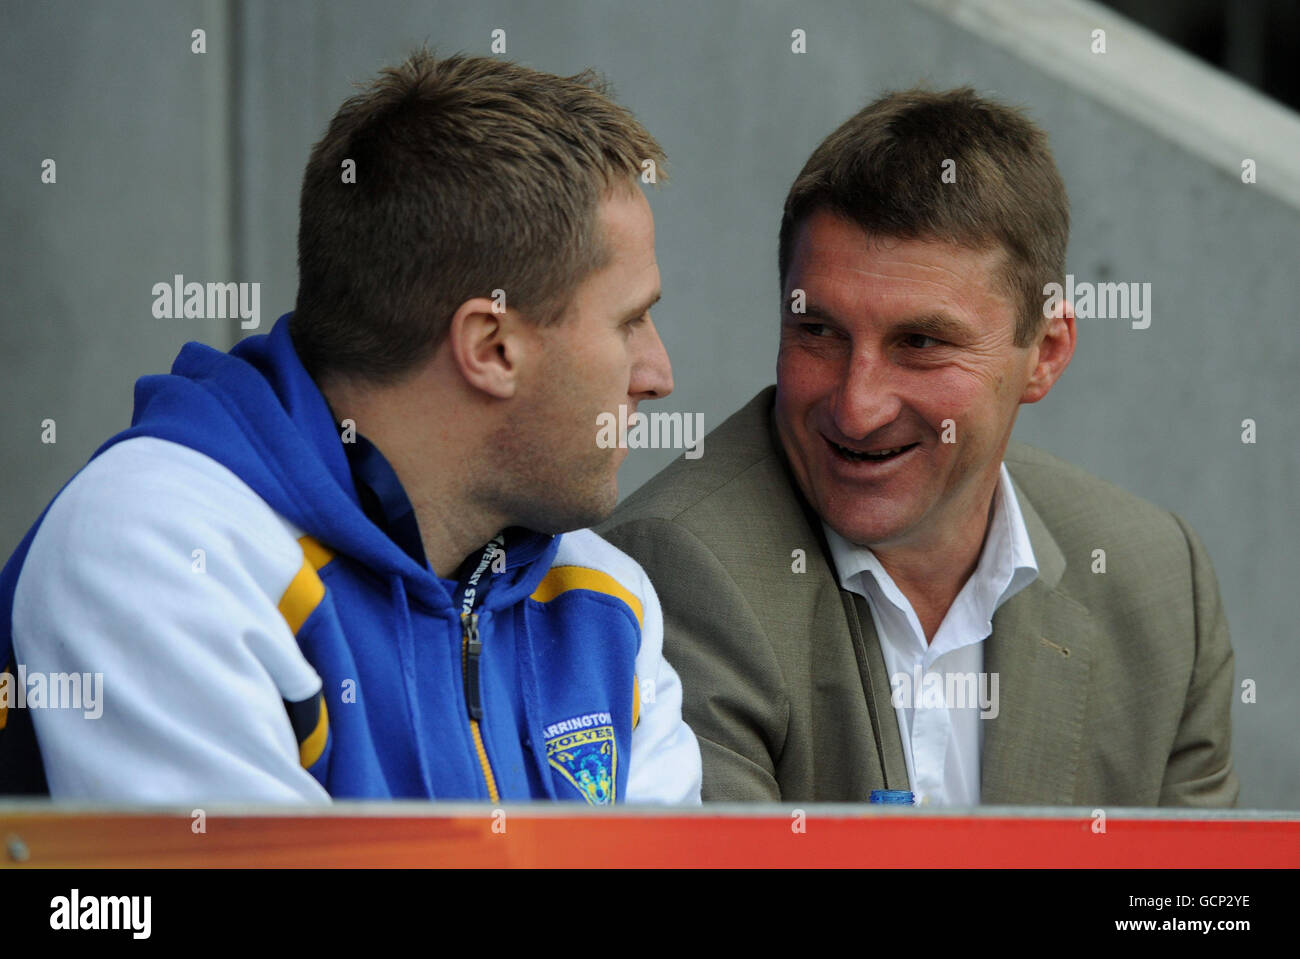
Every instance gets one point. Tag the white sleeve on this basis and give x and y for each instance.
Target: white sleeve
(195, 657)
(665, 765)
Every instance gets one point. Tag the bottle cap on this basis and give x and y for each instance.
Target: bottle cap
(901, 797)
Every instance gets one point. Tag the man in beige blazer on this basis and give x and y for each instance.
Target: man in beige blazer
(870, 510)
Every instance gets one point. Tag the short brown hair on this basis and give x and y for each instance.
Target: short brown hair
(882, 170)
(471, 175)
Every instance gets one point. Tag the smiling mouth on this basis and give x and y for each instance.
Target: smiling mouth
(872, 456)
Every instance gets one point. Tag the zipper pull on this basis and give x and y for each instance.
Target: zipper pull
(469, 628)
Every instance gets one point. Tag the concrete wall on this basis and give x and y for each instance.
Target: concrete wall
(171, 162)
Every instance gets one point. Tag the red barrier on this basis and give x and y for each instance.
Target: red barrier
(528, 837)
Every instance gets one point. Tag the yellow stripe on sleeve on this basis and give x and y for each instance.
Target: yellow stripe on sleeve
(562, 579)
(302, 597)
(309, 749)
(306, 590)
(315, 553)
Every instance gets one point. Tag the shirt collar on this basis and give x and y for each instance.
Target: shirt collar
(1006, 564)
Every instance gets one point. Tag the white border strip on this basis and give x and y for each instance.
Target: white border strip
(19, 808)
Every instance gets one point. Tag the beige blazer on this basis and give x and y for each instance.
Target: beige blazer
(1114, 687)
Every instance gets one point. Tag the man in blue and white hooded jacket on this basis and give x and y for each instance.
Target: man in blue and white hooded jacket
(337, 560)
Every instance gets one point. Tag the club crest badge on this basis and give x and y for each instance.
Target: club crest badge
(584, 752)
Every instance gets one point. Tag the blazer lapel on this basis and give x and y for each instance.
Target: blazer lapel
(881, 763)
(880, 705)
(1041, 652)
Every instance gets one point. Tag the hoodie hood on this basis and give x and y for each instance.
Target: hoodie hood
(258, 412)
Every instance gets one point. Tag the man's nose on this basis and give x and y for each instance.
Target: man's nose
(865, 398)
(652, 373)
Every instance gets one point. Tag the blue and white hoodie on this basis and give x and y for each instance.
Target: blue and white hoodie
(261, 639)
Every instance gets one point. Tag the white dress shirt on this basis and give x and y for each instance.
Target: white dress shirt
(932, 683)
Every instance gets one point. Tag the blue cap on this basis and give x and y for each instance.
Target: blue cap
(900, 797)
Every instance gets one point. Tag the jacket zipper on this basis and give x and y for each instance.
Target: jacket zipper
(470, 649)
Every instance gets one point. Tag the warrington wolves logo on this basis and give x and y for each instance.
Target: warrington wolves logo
(584, 752)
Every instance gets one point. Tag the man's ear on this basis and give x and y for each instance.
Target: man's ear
(1052, 354)
(488, 346)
